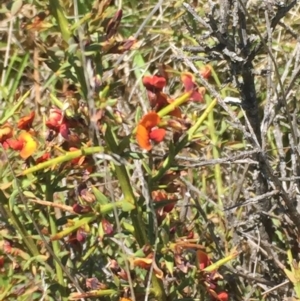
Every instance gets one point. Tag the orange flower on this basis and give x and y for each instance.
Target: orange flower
(25, 123)
(203, 260)
(6, 132)
(147, 131)
(25, 144)
(189, 83)
(146, 263)
(29, 145)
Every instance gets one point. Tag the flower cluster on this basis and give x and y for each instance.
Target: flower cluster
(210, 279)
(22, 139)
(151, 128)
(25, 142)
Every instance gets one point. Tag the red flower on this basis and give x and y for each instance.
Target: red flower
(43, 158)
(25, 123)
(223, 296)
(158, 100)
(58, 123)
(108, 227)
(167, 203)
(154, 83)
(211, 278)
(1, 262)
(147, 131)
(79, 209)
(159, 196)
(189, 83)
(6, 132)
(55, 119)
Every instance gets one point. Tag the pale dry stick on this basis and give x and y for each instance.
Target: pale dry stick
(268, 169)
(239, 185)
(53, 205)
(36, 76)
(297, 59)
(269, 107)
(229, 159)
(93, 128)
(282, 164)
(289, 178)
(254, 200)
(295, 76)
(193, 188)
(239, 271)
(275, 287)
(295, 14)
(273, 60)
(221, 161)
(44, 286)
(251, 130)
(269, 250)
(257, 250)
(194, 192)
(294, 167)
(7, 51)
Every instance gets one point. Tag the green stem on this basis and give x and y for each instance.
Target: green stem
(175, 104)
(189, 137)
(126, 187)
(59, 14)
(136, 214)
(204, 115)
(55, 245)
(26, 238)
(64, 158)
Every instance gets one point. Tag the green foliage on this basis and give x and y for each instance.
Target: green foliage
(125, 175)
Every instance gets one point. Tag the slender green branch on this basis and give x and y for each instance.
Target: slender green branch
(26, 238)
(58, 12)
(136, 214)
(64, 158)
(55, 244)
